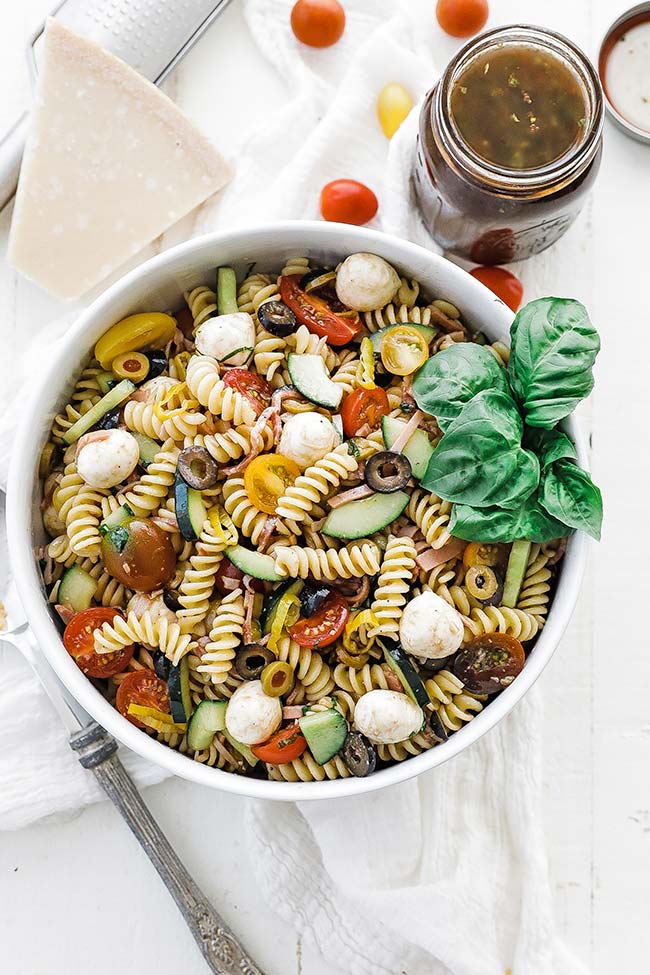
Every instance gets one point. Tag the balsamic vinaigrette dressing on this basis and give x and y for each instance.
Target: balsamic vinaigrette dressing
(519, 107)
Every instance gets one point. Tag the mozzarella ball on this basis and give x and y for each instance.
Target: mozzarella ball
(306, 437)
(252, 716)
(223, 336)
(387, 716)
(366, 282)
(430, 627)
(153, 603)
(107, 457)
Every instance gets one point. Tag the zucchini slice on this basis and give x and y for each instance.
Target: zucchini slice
(77, 589)
(377, 337)
(191, 512)
(116, 519)
(309, 376)
(148, 448)
(243, 750)
(357, 519)
(114, 397)
(180, 697)
(418, 447)
(399, 662)
(325, 733)
(209, 717)
(254, 564)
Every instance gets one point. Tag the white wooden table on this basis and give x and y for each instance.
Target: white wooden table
(77, 895)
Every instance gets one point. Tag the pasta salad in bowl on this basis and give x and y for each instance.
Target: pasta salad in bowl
(306, 514)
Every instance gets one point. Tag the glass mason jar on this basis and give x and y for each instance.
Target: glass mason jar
(486, 212)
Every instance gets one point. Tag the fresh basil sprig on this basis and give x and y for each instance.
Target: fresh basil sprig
(509, 474)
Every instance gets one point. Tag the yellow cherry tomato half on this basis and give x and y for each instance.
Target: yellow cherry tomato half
(393, 105)
(266, 479)
(149, 330)
(403, 350)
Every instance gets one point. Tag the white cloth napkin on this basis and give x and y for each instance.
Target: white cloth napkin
(443, 875)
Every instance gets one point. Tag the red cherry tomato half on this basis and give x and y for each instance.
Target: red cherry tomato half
(285, 745)
(364, 407)
(140, 555)
(462, 18)
(228, 577)
(501, 283)
(490, 663)
(318, 23)
(256, 390)
(316, 314)
(325, 626)
(142, 687)
(78, 639)
(348, 201)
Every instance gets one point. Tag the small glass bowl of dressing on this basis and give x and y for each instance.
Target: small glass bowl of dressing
(624, 69)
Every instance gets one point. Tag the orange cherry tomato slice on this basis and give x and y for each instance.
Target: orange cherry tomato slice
(501, 283)
(318, 23)
(316, 315)
(285, 745)
(266, 479)
(256, 390)
(364, 407)
(348, 201)
(462, 18)
(145, 688)
(78, 639)
(325, 626)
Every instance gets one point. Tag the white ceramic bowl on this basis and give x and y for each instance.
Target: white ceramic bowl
(158, 285)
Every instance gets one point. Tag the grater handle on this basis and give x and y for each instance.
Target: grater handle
(11, 154)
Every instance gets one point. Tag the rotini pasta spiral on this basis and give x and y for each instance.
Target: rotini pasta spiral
(310, 668)
(142, 418)
(316, 483)
(431, 514)
(254, 291)
(455, 705)
(202, 302)
(250, 521)
(145, 629)
(500, 619)
(394, 582)
(307, 769)
(145, 496)
(198, 579)
(370, 677)
(536, 587)
(82, 522)
(406, 749)
(225, 637)
(358, 559)
(204, 383)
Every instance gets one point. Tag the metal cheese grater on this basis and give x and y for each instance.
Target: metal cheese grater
(150, 35)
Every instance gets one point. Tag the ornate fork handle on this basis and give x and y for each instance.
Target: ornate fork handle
(96, 750)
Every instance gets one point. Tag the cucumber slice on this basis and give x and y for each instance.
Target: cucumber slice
(377, 337)
(122, 516)
(253, 564)
(418, 447)
(77, 589)
(309, 376)
(357, 519)
(209, 717)
(114, 397)
(148, 448)
(325, 733)
(515, 572)
(399, 662)
(271, 602)
(180, 697)
(106, 381)
(191, 512)
(243, 750)
(226, 291)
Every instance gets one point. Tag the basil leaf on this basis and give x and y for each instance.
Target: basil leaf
(568, 493)
(554, 346)
(480, 460)
(451, 378)
(529, 521)
(549, 445)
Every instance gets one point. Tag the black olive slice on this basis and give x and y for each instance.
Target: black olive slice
(197, 468)
(161, 665)
(436, 727)
(252, 659)
(483, 584)
(387, 471)
(170, 600)
(358, 754)
(110, 420)
(157, 363)
(312, 597)
(277, 318)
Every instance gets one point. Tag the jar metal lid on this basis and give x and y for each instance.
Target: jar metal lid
(630, 18)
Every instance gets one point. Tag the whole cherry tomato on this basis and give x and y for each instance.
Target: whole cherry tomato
(462, 18)
(501, 283)
(348, 201)
(326, 624)
(79, 641)
(267, 478)
(142, 687)
(316, 315)
(284, 746)
(318, 23)
(140, 555)
(256, 390)
(364, 407)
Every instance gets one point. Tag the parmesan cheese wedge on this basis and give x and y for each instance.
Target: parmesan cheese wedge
(110, 163)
